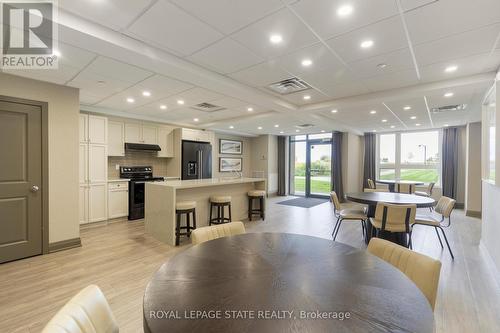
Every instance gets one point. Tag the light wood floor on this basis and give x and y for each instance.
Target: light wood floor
(120, 258)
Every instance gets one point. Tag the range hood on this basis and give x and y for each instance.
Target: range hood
(141, 146)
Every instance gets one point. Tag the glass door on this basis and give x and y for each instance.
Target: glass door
(318, 180)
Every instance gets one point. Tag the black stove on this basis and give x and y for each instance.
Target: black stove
(138, 176)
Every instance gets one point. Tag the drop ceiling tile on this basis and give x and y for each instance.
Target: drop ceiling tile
(387, 35)
(448, 17)
(392, 81)
(98, 85)
(87, 98)
(115, 14)
(167, 25)
(229, 102)
(261, 75)
(412, 4)
(115, 70)
(396, 61)
(228, 16)
(225, 56)
(256, 36)
(161, 86)
(322, 16)
(345, 90)
(322, 59)
(298, 97)
(326, 78)
(475, 41)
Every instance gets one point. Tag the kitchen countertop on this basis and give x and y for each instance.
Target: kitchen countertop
(181, 184)
(116, 180)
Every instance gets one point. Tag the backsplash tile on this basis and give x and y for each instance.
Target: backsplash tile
(137, 158)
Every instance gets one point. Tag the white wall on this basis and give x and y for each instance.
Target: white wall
(473, 176)
(246, 156)
(264, 158)
(352, 162)
(63, 110)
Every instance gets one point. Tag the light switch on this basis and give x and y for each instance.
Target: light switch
(117, 166)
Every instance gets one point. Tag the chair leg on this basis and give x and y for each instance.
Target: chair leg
(222, 218)
(338, 228)
(437, 233)
(188, 225)
(230, 218)
(447, 244)
(177, 229)
(335, 227)
(410, 244)
(194, 218)
(262, 207)
(210, 217)
(250, 207)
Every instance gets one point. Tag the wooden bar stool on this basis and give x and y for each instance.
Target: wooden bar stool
(256, 195)
(184, 207)
(220, 202)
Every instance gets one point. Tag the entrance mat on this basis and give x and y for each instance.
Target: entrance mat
(303, 202)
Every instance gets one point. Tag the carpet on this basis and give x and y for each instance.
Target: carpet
(303, 202)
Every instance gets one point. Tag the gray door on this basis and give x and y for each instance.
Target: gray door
(20, 180)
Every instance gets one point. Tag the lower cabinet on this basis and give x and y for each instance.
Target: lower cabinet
(117, 200)
(93, 203)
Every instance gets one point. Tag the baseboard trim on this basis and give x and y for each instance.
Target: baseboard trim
(490, 263)
(65, 245)
(459, 206)
(473, 213)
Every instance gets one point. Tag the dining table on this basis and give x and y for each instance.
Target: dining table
(371, 199)
(280, 282)
(391, 184)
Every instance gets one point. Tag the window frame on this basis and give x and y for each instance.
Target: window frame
(398, 166)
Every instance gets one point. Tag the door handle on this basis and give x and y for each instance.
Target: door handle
(34, 188)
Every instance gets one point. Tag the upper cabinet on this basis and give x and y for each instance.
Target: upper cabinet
(196, 135)
(84, 123)
(141, 133)
(116, 138)
(93, 129)
(166, 141)
(149, 134)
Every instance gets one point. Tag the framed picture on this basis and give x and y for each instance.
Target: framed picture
(230, 164)
(230, 147)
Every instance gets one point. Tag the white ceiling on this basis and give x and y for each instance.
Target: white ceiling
(219, 51)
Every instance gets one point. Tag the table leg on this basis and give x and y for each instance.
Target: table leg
(391, 187)
(370, 230)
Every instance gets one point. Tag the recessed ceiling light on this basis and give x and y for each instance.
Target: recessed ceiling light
(146, 93)
(373, 112)
(322, 131)
(306, 62)
(448, 94)
(407, 108)
(196, 119)
(260, 127)
(231, 127)
(417, 124)
(374, 131)
(345, 10)
(249, 109)
(56, 53)
(276, 125)
(163, 107)
(451, 69)
(366, 44)
(446, 125)
(413, 117)
(382, 66)
(130, 100)
(180, 102)
(306, 97)
(281, 132)
(276, 39)
(393, 126)
(334, 111)
(384, 120)
(297, 131)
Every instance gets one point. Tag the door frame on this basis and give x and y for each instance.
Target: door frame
(44, 106)
(310, 143)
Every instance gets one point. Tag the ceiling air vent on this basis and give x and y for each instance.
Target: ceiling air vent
(457, 107)
(289, 86)
(207, 107)
(304, 126)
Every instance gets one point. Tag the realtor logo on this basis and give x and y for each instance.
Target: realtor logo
(28, 35)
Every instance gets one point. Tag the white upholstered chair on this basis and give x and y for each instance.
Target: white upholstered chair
(346, 215)
(444, 207)
(87, 312)
(205, 234)
(421, 269)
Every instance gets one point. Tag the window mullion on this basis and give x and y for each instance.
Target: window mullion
(397, 164)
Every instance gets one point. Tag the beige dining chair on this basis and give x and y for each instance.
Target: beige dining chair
(428, 191)
(404, 188)
(394, 218)
(87, 312)
(371, 184)
(421, 269)
(346, 215)
(444, 207)
(205, 234)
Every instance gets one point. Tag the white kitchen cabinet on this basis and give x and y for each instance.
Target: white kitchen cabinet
(97, 130)
(149, 134)
(98, 202)
(83, 204)
(166, 142)
(133, 132)
(196, 135)
(83, 162)
(117, 199)
(116, 138)
(98, 164)
(83, 133)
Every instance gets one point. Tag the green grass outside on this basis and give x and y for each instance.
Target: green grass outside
(317, 186)
(425, 176)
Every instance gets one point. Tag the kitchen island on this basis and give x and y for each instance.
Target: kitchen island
(160, 199)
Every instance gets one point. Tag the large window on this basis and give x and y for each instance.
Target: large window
(409, 156)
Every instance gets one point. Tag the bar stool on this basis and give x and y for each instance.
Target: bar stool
(184, 207)
(256, 195)
(220, 202)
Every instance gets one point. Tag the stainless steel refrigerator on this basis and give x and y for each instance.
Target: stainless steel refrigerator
(196, 160)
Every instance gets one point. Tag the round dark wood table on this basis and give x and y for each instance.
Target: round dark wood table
(373, 198)
(392, 183)
(272, 282)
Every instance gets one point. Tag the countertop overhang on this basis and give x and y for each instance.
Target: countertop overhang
(181, 184)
